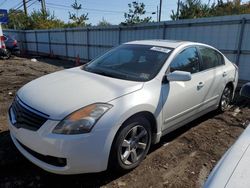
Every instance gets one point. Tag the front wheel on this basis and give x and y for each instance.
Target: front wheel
(226, 99)
(131, 144)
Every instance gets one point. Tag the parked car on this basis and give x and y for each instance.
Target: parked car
(11, 44)
(108, 112)
(233, 169)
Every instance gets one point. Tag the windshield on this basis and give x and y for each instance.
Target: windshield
(130, 62)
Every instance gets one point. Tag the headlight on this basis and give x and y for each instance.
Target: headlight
(82, 120)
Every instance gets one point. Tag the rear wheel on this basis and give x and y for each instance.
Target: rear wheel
(7, 54)
(226, 99)
(131, 144)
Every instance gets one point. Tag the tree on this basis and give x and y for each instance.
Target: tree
(77, 20)
(191, 9)
(45, 20)
(23, 21)
(36, 20)
(196, 9)
(103, 23)
(136, 11)
(231, 8)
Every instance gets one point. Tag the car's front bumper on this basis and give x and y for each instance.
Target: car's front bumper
(81, 153)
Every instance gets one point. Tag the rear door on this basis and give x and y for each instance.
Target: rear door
(213, 70)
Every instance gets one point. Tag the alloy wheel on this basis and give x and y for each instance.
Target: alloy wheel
(134, 145)
(226, 99)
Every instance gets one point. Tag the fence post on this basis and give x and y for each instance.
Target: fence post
(87, 44)
(24, 46)
(119, 35)
(243, 22)
(66, 43)
(49, 42)
(36, 43)
(164, 31)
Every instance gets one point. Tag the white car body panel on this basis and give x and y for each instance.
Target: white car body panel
(59, 94)
(61, 101)
(233, 169)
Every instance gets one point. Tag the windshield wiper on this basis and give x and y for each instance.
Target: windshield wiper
(108, 74)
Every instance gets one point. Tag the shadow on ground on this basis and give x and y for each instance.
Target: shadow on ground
(17, 171)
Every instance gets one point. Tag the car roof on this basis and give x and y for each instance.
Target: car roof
(159, 42)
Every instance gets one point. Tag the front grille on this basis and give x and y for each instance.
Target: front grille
(56, 161)
(25, 118)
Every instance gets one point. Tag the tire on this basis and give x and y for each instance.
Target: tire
(7, 54)
(131, 144)
(226, 99)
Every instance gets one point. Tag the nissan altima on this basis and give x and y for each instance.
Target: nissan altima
(107, 113)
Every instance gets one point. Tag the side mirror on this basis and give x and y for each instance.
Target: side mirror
(179, 76)
(245, 90)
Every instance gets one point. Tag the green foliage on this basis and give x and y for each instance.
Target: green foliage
(77, 20)
(197, 9)
(136, 11)
(36, 20)
(18, 20)
(103, 23)
(191, 9)
(40, 20)
(231, 8)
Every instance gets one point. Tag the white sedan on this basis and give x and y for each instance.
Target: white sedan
(108, 112)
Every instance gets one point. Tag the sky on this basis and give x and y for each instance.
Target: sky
(110, 10)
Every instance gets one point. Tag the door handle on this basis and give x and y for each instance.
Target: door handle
(224, 74)
(200, 85)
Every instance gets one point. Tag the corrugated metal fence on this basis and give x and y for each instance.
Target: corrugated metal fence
(230, 34)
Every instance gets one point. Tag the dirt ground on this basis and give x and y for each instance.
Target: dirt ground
(183, 158)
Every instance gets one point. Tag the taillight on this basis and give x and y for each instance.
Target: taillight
(2, 44)
(15, 43)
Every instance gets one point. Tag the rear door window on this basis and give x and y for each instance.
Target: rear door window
(210, 58)
(221, 60)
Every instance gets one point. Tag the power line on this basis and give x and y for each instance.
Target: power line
(92, 12)
(32, 3)
(22, 5)
(14, 7)
(3, 2)
(53, 5)
(90, 9)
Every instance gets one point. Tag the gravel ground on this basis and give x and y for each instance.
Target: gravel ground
(183, 158)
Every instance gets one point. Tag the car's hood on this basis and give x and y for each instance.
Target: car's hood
(60, 93)
(233, 170)
(241, 175)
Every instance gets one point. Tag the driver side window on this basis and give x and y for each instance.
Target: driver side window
(187, 60)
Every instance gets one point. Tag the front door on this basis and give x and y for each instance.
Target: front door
(182, 99)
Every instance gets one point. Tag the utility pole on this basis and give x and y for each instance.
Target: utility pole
(43, 6)
(160, 10)
(178, 9)
(157, 13)
(25, 7)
